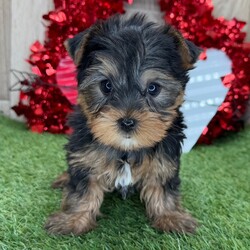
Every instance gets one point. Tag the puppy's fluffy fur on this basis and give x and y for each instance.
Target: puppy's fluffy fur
(127, 127)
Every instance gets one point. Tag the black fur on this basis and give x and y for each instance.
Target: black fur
(81, 138)
(78, 182)
(127, 69)
(134, 46)
(73, 44)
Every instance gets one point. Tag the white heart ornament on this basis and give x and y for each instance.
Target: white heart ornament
(204, 94)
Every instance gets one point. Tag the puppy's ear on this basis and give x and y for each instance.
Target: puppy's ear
(189, 52)
(76, 46)
(193, 51)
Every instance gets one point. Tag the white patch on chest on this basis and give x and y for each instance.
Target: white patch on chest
(124, 177)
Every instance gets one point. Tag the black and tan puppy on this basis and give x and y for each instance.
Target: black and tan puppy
(127, 128)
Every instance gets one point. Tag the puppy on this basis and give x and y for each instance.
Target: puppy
(127, 127)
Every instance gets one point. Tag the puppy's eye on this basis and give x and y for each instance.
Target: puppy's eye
(154, 89)
(106, 87)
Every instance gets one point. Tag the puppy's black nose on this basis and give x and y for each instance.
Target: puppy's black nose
(127, 124)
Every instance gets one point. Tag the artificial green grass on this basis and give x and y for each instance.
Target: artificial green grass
(215, 188)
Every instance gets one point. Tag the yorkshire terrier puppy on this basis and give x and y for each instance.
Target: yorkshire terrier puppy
(127, 127)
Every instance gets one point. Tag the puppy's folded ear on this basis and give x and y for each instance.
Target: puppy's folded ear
(189, 52)
(76, 46)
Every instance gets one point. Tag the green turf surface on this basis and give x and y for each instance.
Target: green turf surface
(215, 188)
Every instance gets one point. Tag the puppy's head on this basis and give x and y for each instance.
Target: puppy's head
(131, 78)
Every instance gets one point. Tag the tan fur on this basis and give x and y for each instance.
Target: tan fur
(105, 172)
(151, 75)
(162, 208)
(175, 221)
(178, 102)
(154, 169)
(90, 202)
(151, 129)
(165, 210)
(61, 181)
(107, 67)
(183, 49)
(81, 100)
(79, 51)
(153, 174)
(67, 223)
(78, 214)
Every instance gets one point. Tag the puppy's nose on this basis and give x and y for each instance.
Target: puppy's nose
(127, 124)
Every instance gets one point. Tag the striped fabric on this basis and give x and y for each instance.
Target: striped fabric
(66, 79)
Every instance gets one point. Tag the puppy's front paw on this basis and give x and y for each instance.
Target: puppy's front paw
(67, 223)
(178, 222)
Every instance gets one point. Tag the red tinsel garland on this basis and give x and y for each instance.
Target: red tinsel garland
(197, 24)
(47, 107)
